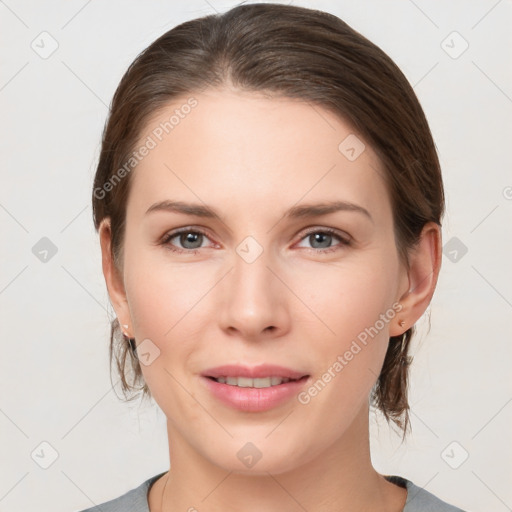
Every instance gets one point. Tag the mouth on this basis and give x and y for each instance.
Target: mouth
(254, 395)
(254, 389)
(259, 383)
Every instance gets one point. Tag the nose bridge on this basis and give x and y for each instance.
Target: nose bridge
(253, 301)
(251, 277)
(250, 274)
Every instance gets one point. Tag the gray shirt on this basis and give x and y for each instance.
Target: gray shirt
(136, 500)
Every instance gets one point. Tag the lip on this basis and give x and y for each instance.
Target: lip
(254, 372)
(254, 399)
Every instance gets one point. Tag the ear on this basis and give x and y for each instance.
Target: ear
(421, 280)
(114, 278)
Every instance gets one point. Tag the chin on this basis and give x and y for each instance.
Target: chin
(257, 459)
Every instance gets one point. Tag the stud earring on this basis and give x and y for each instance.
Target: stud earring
(401, 323)
(126, 327)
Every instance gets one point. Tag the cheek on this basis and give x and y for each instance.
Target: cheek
(167, 306)
(162, 302)
(349, 298)
(161, 295)
(355, 306)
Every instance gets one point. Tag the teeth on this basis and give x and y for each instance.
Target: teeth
(246, 382)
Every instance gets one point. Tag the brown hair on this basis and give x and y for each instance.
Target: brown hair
(298, 53)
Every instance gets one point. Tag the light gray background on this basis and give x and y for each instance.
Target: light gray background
(54, 379)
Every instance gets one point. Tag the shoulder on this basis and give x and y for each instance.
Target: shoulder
(420, 500)
(135, 500)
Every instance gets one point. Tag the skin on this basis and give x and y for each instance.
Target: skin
(252, 158)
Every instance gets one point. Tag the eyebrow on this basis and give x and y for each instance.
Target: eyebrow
(301, 211)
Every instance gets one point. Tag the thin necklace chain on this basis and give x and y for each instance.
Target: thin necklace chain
(163, 492)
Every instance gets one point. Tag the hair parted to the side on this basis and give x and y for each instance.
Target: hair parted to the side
(292, 52)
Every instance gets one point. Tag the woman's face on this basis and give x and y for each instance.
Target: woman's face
(264, 281)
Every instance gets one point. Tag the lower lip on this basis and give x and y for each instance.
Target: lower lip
(254, 399)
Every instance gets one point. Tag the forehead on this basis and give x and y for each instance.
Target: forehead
(232, 147)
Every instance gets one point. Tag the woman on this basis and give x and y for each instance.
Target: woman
(269, 201)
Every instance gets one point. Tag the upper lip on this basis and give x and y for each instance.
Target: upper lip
(254, 372)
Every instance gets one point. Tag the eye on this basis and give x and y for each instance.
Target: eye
(321, 239)
(189, 239)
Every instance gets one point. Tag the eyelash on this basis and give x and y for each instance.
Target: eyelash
(329, 231)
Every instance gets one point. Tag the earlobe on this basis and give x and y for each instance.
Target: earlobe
(113, 277)
(424, 266)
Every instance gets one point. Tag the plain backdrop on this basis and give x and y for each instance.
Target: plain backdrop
(67, 442)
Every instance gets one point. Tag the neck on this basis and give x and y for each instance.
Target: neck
(340, 478)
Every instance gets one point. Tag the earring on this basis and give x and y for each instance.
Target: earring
(401, 323)
(124, 332)
(126, 336)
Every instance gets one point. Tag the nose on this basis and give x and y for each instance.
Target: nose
(254, 303)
